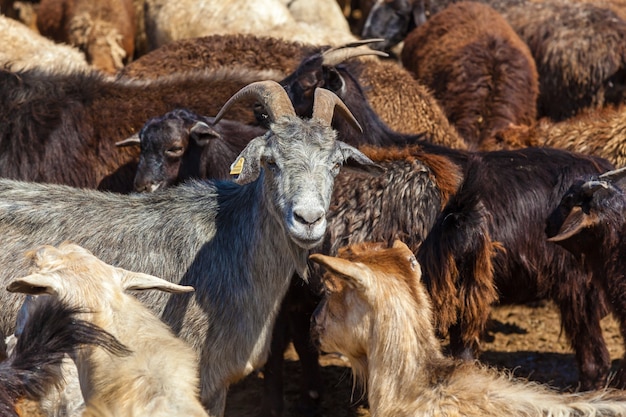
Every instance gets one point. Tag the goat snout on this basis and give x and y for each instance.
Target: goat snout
(309, 216)
(147, 186)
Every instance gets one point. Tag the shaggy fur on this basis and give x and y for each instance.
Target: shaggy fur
(210, 235)
(62, 127)
(217, 51)
(140, 382)
(34, 366)
(103, 30)
(408, 109)
(512, 213)
(180, 145)
(506, 198)
(482, 75)
(578, 47)
(23, 48)
(378, 314)
(599, 132)
(590, 223)
(395, 96)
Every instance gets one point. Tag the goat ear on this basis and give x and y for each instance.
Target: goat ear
(202, 133)
(355, 160)
(36, 284)
(574, 223)
(133, 140)
(138, 281)
(354, 274)
(247, 166)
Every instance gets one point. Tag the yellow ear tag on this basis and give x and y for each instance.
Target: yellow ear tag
(237, 167)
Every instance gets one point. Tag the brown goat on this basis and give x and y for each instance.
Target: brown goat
(378, 314)
(483, 75)
(103, 30)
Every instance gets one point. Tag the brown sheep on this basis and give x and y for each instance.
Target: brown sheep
(483, 75)
(378, 314)
(216, 51)
(600, 132)
(403, 103)
(578, 47)
(103, 29)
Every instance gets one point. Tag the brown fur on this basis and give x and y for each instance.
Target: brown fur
(445, 174)
(378, 314)
(600, 132)
(103, 30)
(483, 75)
(216, 51)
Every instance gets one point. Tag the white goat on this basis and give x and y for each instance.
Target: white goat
(160, 376)
(378, 314)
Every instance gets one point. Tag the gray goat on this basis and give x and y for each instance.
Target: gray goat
(237, 244)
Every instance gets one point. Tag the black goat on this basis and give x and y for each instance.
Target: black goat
(62, 127)
(590, 222)
(505, 198)
(181, 144)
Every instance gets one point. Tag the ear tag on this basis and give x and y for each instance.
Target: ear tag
(237, 167)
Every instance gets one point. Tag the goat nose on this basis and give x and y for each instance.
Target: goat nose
(308, 217)
(148, 187)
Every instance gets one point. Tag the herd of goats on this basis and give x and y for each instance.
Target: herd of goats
(178, 203)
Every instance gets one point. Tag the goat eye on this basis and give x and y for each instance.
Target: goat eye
(271, 165)
(174, 152)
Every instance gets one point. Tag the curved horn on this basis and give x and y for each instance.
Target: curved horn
(591, 187)
(324, 107)
(131, 141)
(272, 96)
(615, 175)
(338, 54)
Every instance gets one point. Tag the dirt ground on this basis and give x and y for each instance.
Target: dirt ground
(525, 339)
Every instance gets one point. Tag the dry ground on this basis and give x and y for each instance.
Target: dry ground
(524, 338)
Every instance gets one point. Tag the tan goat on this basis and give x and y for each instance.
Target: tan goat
(159, 377)
(378, 314)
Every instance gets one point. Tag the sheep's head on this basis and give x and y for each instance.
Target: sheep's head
(363, 282)
(166, 143)
(75, 276)
(319, 71)
(392, 20)
(590, 215)
(299, 158)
